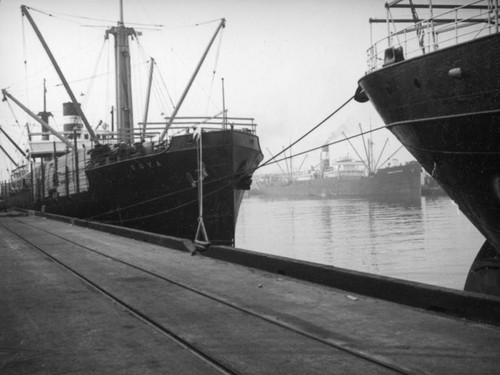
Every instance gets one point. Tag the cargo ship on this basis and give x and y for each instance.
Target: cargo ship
(184, 177)
(392, 184)
(436, 85)
(345, 178)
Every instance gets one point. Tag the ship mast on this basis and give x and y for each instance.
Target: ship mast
(123, 80)
(44, 115)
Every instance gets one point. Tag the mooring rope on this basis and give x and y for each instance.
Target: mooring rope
(323, 145)
(307, 133)
(231, 176)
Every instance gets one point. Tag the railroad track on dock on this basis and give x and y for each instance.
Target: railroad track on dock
(154, 280)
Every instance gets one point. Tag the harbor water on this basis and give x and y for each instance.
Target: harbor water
(428, 241)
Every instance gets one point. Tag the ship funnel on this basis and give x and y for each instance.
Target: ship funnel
(71, 120)
(325, 157)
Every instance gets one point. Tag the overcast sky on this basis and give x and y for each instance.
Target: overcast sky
(286, 63)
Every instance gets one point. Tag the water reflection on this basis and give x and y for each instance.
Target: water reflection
(428, 241)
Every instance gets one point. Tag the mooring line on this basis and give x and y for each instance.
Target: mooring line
(308, 132)
(329, 144)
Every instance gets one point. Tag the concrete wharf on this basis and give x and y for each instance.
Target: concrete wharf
(82, 301)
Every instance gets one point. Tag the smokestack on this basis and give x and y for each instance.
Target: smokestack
(71, 120)
(325, 157)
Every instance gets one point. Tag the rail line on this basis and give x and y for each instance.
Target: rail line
(223, 368)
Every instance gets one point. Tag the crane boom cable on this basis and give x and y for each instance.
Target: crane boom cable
(62, 16)
(214, 70)
(59, 73)
(162, 81)
(389, 158)
(94, 74)
(156, 87)
(25, 60)
(13, 114)
(193, 76)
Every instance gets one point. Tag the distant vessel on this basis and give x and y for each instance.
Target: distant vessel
(436, 85)
(137, 177)
(345, 178)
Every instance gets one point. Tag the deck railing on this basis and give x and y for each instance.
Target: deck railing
(187, 124)
(453, 25)
(154, 129)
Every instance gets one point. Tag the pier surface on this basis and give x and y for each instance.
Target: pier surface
(80, 301)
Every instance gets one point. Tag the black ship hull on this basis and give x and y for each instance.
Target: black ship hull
(444, 108)
(158, 192)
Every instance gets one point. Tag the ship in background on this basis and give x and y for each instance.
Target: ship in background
(436, 85)
(347, 178)
(184, 177)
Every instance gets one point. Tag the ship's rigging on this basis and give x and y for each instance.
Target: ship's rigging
(135, 175)
(166, 98)
(126, 107)
(159, 88)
